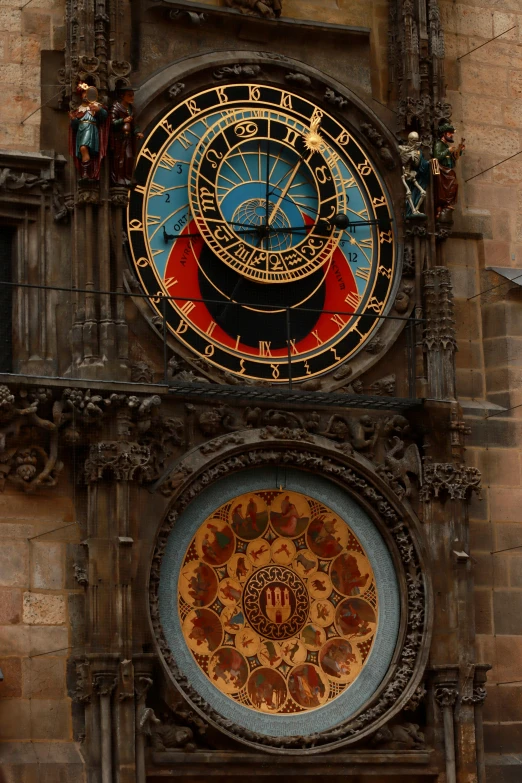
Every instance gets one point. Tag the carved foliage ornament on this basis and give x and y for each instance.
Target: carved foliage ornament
(398, 688)
(455, 479)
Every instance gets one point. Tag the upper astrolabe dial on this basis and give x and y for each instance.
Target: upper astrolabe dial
(264, 192)
(234, 233)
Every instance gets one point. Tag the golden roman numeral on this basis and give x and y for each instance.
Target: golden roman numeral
(148, 154)
(212, 325)
(153, 220)
(316, 335)
(363, 273)
(353, 300)
(170, 281)
(264, 348)
(167, 162)
(187, 308)
(338, 320)
(184, 141)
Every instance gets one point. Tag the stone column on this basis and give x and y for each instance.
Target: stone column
(104, 685)
(439, 334)
(446, 696)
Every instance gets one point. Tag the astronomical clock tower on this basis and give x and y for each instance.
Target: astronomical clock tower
(253, 405)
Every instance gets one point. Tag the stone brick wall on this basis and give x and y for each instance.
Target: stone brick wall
(36, 614)
(485, 89)
(24, 34)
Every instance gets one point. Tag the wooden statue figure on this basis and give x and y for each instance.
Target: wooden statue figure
(122, 138)
(445, 157)
(415, 175)
(270, 9)
(88, 133)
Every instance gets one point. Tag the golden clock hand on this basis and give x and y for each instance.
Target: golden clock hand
(285, 191)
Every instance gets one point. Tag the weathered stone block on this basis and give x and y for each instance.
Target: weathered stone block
(507, 612)
(47, 565)
(490, 570)
(48, 639)
(44, 677)
(50, 719)
(10, 607)
(483, 612)
(14, 640)
(12, 684)
(481, 536)
(43, 609)
(506, 505)
(15, 719)
(14, 563)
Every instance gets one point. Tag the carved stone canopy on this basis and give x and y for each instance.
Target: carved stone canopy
(403, 536)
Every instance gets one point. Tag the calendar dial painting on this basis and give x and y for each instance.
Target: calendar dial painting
(277, 602)
(262, 233)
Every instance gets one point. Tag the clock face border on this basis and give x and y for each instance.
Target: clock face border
(274, 369)
(395, 523)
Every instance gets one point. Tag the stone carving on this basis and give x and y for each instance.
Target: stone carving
(18, 180)
(284, 433)
(375, 346)
(445, 157)
(402, 300)
(212, 421)
(416, 700)
(334, 99)
(439, 332)
(104, 683)
(361, 433)
(177, 370)
(122, 459)
(26, 460)
(269, 9)
(477, 697)
(397, 469)
(404, 736)
(399, 685)
(175, 90)
(175, 480)
(343, 372)
(164, 439)
(298, 78)
(81, 575)
(167, 734)
(384, 386)
(213, 446)
(141, 372)
(196, 17)
(446, 695)
(233, 71)
(126, 680)
(455, 479)
(415, 175)
(82, 692)
(378, 141)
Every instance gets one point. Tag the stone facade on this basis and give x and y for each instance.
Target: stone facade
(118, 449)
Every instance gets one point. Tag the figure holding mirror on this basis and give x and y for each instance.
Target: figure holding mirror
(88, 138)
(123, 136)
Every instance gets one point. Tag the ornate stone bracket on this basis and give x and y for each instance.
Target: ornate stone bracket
(456, 479)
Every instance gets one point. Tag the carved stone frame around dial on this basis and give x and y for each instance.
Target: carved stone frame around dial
(404, 537)
(179, 80)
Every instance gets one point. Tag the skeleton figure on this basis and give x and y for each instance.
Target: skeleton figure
(415, 175)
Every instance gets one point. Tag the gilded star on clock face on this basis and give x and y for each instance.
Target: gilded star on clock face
(234, 219)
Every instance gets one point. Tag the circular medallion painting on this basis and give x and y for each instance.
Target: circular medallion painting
(278, 602)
